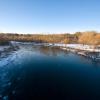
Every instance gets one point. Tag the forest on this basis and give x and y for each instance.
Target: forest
(88, 37)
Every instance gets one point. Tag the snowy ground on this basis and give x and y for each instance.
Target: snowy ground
(72, 46)
(80, 47)
(2, 48)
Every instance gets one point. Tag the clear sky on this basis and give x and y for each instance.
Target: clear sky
(34, 16)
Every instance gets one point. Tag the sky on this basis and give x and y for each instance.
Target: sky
(49, 16)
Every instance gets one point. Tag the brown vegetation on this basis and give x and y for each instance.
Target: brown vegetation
(79, 37)
(91, 38)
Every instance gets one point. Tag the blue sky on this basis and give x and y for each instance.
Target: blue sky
(54, 16)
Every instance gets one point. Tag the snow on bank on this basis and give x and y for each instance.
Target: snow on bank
(72, 46)
(2, 48)
(80, 47)
(15, 43)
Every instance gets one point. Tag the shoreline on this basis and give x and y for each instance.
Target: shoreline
(77, 47)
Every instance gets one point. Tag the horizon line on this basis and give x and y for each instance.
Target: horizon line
(47, 33)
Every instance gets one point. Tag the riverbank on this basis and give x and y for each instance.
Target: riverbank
(3, 48)
(89, 48)
(87, 51)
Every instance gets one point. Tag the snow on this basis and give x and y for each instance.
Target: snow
(2, 48)
(79, 47)
(73, 46)
(14, 43)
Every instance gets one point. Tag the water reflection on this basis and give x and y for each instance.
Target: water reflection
(51, 51)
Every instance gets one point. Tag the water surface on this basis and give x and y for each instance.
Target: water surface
(31, 72)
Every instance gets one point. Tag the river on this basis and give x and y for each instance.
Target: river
(32, 72)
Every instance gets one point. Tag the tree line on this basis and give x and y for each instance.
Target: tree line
(89, 37)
